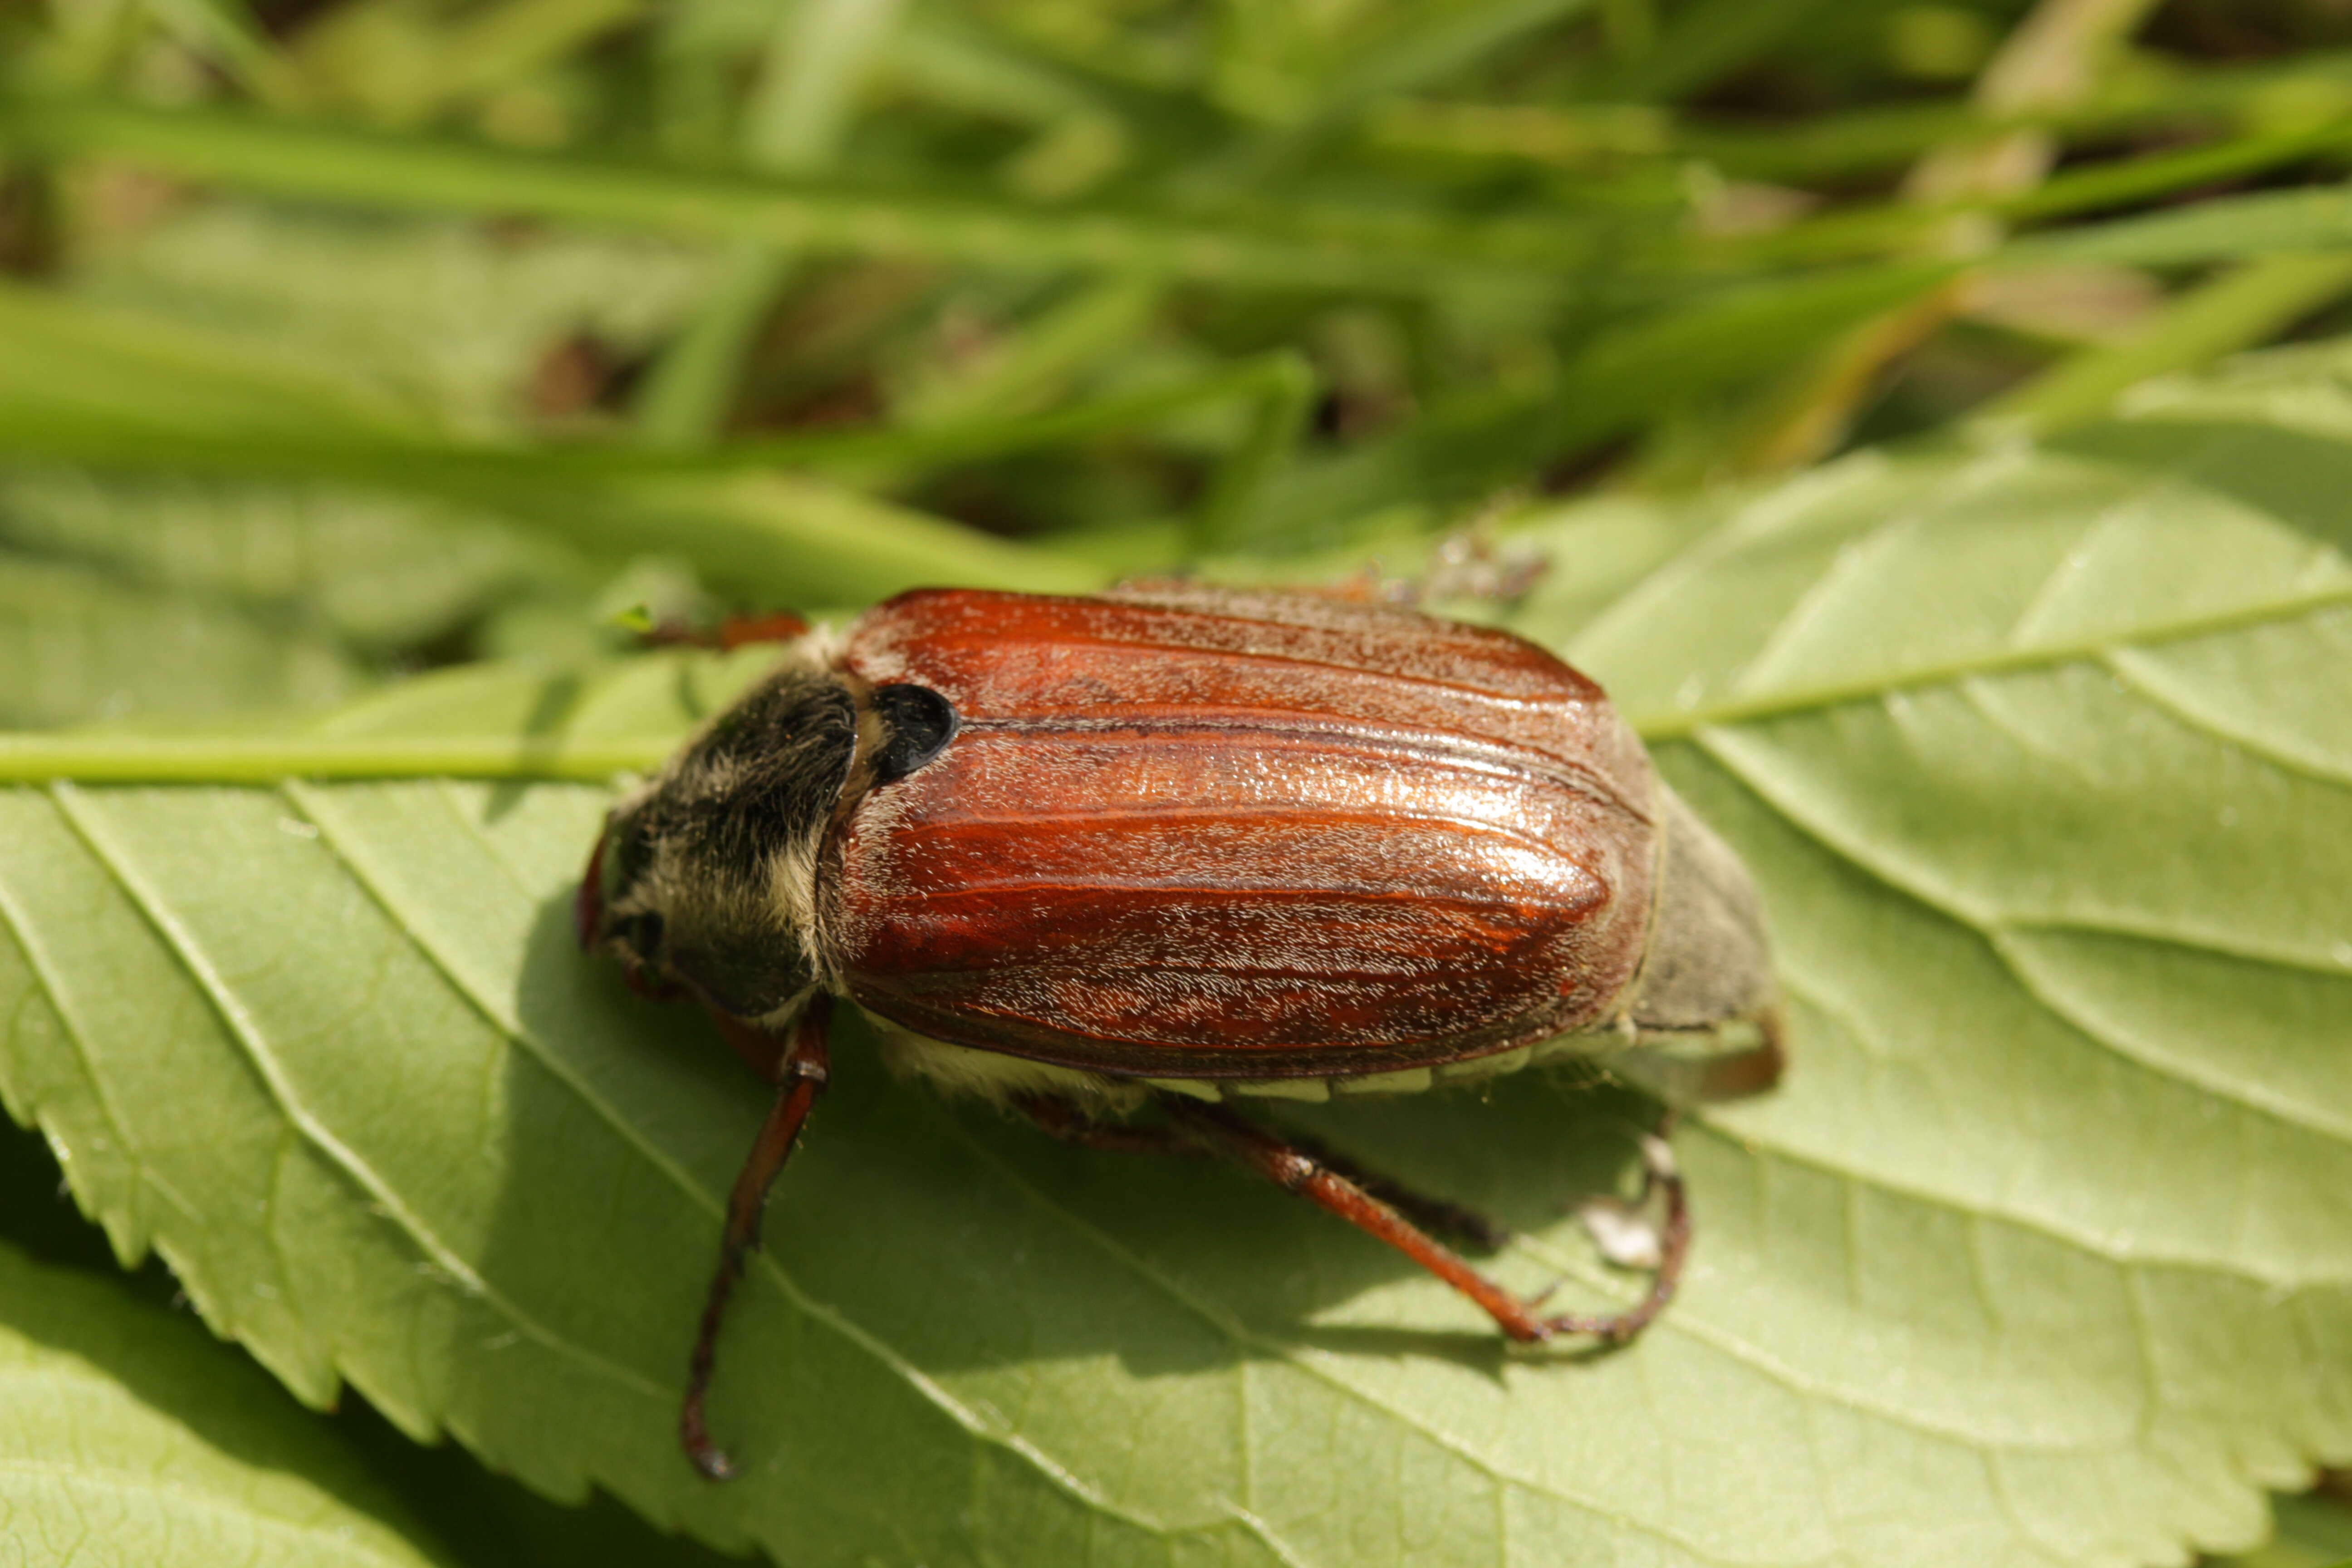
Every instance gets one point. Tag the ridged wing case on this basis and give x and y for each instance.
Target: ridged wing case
(1191, 832)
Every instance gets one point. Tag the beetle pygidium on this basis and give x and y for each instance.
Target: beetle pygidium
(1170, 847)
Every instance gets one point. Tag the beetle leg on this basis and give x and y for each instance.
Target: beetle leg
(733, 632)
(801, 1077)
(755, 1048)
(775, 625)
(1753, 1070)
(1680, 1079)
(1295, 1171)
(1071, 1124)
(1457, 1220)
(1068, 1123)
(1658, 1171)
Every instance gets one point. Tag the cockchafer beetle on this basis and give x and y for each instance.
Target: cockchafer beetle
(1168, 846)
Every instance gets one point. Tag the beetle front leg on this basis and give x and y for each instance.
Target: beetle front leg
(1295, 1171)
(801, 1077)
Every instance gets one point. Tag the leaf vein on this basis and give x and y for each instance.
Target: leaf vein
(243, 1028)
(334, 835)
(2246, 1096)
(2082, 1240)
(1217, 1318)
(2149, 680)
(1991, 928)
(126, 1482)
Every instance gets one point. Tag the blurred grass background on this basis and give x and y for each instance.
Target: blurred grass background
(343, 339)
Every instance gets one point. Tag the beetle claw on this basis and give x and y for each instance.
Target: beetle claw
(710, 1460)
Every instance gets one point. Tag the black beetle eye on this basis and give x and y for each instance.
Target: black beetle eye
(921, 722)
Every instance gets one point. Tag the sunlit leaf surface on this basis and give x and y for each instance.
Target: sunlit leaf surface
(2043, 1254)
(130, 1439)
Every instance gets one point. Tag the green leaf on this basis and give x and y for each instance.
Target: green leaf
(381, 571)
(2042, 1253)
(130, 1438)
(74, 646)
(513, 721)
(2314, 1532)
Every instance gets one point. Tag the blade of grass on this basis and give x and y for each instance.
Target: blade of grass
(2164, 174)
(1436, 44)
(118, 389)
(2050, 58)
(819, 52)
(231, 758)
(942, 58)
(1396, 253)
(1622, 380)
(1280, 416)
(769, 535)
(1703, 44)
(222, 34)
(2296, 93)
(2225, 228)
(399, 64)
(1887, 228)
(489, 46)
(1024, 369)
(690, 390)
(2238, 309)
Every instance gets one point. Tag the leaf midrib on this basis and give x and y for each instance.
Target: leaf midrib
(244, 758)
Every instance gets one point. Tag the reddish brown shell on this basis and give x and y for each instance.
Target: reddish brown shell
(1208, 832)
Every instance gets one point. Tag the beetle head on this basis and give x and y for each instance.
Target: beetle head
(704, 882)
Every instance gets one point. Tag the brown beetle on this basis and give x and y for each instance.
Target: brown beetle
(1174, 845)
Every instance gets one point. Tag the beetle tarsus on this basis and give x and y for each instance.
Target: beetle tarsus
(1295, 1170)
(801, 1077)
(1658, 1172)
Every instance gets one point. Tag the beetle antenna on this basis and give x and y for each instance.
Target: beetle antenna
(800, 1079)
